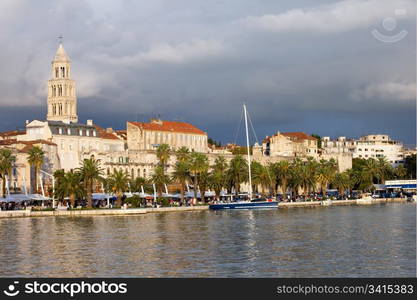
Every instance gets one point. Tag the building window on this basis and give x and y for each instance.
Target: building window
(60, 130)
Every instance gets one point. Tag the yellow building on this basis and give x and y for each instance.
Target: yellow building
(148, 136)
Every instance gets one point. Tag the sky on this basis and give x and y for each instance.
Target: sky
(333, 68)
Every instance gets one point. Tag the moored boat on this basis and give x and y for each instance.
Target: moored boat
(265, 204)
(256, 203)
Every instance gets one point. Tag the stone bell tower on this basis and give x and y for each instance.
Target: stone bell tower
(62, 100)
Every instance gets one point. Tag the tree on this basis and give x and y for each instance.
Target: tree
(211, 141)
(341, 182)
(400, 172)
(182, 154)
(363, 173)
(218, 174)
(137, 184)
(35, 159)
(180, 175)
(410, 165)
(198, 164)
(7, 160)
(203, 183)
(69, 185)
(90, 172)
(159, 178)
(385, 170)
(282, 174)
(163, 152)
(325, 174)
(118, 182)
(237, 172)
(261, 176)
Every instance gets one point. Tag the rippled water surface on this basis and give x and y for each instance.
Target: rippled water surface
(352, 241)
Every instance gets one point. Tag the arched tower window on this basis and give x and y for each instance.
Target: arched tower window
(56, 72)
(63, 71)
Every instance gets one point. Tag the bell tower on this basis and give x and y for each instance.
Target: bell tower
(62, 100)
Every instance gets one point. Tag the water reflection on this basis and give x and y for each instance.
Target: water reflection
(378, 241)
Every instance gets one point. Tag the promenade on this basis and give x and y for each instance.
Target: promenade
(96, 212)
(140, 211)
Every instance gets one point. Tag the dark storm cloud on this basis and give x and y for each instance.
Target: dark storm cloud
(310, 66)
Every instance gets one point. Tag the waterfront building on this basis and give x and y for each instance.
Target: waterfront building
(148, 136)
(290, 145)
(22, 174)
(370, 146)
(295, 144)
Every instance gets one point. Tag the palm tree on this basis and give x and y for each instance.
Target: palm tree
(180, 175)
(305, 178)
(118, 182)
(182, 154)
(198, 164)
(295, 179)
(90, 172)
(203, 183)
(384, 169)
(400, 172)
(35, 159)
(159, 178)
(69, 185)
(341, 182)
(137, 184)
(237, 172)
(370, 170)
(7, 159)
(282, 173)
(325, 173)
(163, 153)
(218, 177)
(261, 176)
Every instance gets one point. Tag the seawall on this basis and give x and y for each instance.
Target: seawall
(96, 212)
(365, 201)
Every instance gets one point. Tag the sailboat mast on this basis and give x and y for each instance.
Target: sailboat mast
(248, 147)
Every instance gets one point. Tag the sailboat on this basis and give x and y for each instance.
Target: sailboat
(251, 203)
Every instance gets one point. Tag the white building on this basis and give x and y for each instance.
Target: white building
(369, 146)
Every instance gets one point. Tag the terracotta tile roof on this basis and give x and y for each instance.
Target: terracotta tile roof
(294, 136)
(26, 148)
(299, 136)
(169, 126)
(266, 140)
(103, 134)
(12, 133)
(7, 142)
(28, 143)
(37, 142)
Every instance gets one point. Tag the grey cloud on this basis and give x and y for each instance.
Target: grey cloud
(197, 61)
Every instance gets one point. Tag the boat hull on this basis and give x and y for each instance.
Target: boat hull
(245, 205)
